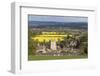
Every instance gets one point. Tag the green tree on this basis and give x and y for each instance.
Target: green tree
(31, 43)
(84, 42)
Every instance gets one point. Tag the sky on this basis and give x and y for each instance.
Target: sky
(57, 18)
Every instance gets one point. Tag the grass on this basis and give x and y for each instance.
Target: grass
(32, 57)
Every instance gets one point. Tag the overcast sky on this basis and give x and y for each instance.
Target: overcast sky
(57, 18)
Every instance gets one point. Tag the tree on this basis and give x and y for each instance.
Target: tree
(84, 43)
(31, 47)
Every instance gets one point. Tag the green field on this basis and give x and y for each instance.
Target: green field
(32, 57)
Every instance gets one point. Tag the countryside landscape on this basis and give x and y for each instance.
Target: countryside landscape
(57, 37)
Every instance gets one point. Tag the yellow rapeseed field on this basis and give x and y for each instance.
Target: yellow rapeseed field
(50, 36)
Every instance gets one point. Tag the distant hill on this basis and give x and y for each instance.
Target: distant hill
(45, 24)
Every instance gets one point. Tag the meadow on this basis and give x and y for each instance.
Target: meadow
(32, 57)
